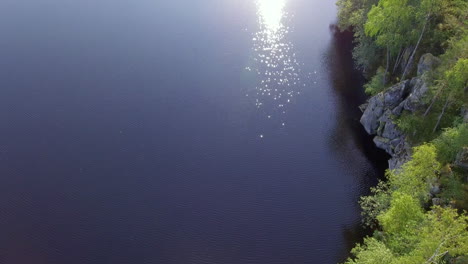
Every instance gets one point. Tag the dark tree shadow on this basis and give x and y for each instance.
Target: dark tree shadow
(347, 135)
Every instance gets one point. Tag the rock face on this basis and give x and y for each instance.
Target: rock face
(382, 109)
(427, 62)
(378, 117)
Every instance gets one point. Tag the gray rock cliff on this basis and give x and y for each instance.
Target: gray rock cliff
(382, 109)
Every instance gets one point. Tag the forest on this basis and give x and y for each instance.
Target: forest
(412, 222)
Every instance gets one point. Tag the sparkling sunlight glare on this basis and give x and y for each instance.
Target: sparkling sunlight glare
(271, 13)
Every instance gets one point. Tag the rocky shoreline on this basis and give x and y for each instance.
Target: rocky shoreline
(381, 110)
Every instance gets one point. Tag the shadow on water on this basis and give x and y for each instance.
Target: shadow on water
(348, 90)
(352, 235)
(348, 136)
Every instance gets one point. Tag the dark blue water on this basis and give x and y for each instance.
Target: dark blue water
(130, 132)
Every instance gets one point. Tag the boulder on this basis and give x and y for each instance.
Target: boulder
(371, 115)
(436, 201)
(397, 161)
(377, 119)
(435, 189)
(393, 147)
(403, 148)
(363, 107)
(426, 63)
(414, 100)
(383, 143)
(377, 105)
(399, 109)
(395, 94)
(389, 128)
(382, 109)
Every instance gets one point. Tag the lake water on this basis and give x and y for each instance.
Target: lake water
(173, 132)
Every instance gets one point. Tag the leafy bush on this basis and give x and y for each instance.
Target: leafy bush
(450, 142)
(455, 190)
(376, 84)
(371, 251)
(416, 237)
(367, 55)
(419, 128)
(414, 177)
(401, 222)
(375, 204)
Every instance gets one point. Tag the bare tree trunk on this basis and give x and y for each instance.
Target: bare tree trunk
(433, 101)
(410, 60)
(399, 59)
(436, 255)
(441, 114)
(404, 60)
(386, 69)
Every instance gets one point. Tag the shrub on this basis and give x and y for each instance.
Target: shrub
(414, 177)
(375, 204)
(376, 84)
(450, 142)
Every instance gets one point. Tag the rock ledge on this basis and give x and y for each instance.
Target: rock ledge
(382, 109)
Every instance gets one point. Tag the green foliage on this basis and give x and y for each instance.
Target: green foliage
(376, 84)
(451, 78)
(353, 14)
(450, 142)
(451, 86)
(457, 80)
(414, 177)
(411, 235)
(392, 22)
(408, 233)
(448, 82)
(399, 23)
(417, 238)
(445, 231)
(401, 222)
(404, 214)
(370, 252)
(366, 54)
(454, 190)
(453, 21)
(457, 48)
(375, 204)
(347, 12)
(417, 128)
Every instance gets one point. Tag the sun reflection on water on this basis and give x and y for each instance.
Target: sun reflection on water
(274, 62)
(271, 12)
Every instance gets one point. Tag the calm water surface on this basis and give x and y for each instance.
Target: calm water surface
(204, 131)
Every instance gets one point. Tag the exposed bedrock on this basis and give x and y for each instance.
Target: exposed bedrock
(381, 110)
